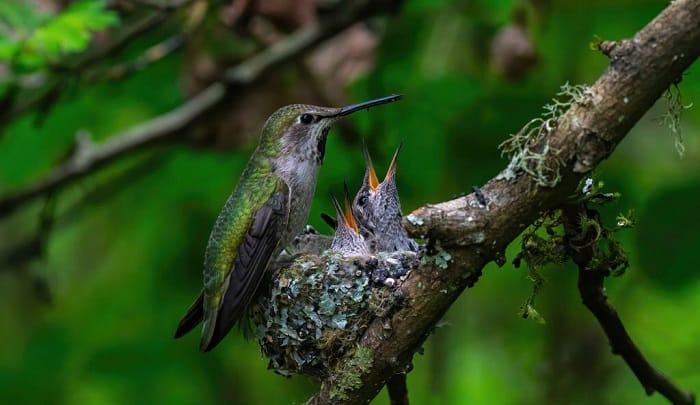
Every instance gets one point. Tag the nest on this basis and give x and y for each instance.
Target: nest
(319, 306)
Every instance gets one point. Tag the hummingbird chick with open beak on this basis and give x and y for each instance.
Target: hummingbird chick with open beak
(378, 210)
(268, 207)
(347, 239)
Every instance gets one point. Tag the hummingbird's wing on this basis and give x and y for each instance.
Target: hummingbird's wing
(194, 315)
(260, 242)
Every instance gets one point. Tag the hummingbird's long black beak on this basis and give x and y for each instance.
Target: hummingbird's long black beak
(367, 104)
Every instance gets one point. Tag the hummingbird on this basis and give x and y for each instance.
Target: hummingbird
(378, 210)
(347, 239)
(268, 207)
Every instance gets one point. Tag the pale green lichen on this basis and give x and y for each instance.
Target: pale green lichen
(625, 220)
(414, 219)
(477, 237)
(529, 149)
(529, 312)
(348, 374)
(672, 117)
(440, 258)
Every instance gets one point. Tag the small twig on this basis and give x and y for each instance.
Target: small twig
(398, 390)
(149, 56)
(176, 122)
(592, 291)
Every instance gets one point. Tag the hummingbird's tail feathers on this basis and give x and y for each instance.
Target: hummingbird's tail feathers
(248, 270)
(192, 318)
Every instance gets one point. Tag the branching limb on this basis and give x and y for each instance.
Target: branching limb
(148, 57)
(465, 234)
(89, 156)
(592, 291)
(167, 127)
(398, 390)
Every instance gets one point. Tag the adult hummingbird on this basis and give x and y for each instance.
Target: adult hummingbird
(268, 207)
(378, 210)
(347, 239)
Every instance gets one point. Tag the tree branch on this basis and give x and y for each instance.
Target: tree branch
(591, 289)
(398, 390)
(89, 156)
(473, 234)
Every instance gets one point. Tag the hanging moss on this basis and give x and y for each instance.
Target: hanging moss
(671, 118)
(529, 149)
(544, 242)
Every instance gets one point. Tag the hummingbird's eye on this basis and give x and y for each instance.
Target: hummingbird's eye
(306, 119)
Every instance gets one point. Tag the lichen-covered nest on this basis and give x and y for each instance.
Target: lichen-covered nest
(318, 306)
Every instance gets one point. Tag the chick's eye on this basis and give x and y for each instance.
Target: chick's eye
(362, 200)
(306, 118)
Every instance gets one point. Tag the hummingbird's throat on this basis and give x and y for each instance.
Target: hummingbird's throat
(321, 146)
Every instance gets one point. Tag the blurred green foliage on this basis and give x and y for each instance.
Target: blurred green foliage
(91, 320)
(34, 39)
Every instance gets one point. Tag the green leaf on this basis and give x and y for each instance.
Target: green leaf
(69, 32)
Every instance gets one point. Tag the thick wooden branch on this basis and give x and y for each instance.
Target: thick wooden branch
(472, 234)
(592, 291)
(89, 156)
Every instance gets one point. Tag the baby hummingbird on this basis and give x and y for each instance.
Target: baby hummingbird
(347, 239)
(378, 210)
(268, 207)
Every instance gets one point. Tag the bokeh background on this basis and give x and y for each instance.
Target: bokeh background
(87, 313)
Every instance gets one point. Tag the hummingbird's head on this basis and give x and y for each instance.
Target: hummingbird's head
(377, 203)
(301, 130)
(347, 239)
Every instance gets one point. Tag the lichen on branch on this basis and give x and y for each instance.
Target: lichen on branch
(529, 149)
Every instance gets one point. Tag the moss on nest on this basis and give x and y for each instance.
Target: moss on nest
(319, 306)
(348, 375)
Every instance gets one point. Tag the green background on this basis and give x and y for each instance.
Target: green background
(91, 321)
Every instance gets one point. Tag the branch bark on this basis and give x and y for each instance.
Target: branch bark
(592, 291)
(472, 234)
(90, 156)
